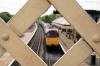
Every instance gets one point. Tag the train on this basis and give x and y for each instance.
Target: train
(51, 34)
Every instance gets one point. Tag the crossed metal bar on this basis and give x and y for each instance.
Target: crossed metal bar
(72, 11)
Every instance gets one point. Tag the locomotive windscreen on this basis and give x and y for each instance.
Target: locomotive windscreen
(52, 33)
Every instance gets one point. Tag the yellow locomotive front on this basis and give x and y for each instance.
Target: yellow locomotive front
(52, 38)
(52, 41)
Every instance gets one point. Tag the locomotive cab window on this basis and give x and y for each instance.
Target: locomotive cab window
(52, 34)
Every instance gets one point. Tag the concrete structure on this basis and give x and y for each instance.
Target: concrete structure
(90, 4)
(91, 7)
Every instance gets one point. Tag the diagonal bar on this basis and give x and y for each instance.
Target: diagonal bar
(76, 55)
(2, 50)
(28, 15)
(80, 20)
(16, 47)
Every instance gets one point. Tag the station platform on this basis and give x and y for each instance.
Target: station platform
(70, 43)
(6, 58)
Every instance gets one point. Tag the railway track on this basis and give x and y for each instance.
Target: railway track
(52, 55)
(35, 43)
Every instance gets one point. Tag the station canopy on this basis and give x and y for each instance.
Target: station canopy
(61, 21)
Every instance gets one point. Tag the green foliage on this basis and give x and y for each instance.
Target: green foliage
(50, 18)
(5, 16)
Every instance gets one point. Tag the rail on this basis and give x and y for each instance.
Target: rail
(72, 11)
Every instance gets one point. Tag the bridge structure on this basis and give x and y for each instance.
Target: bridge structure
(90, 6)
(80, 20)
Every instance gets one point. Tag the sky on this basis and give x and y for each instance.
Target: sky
(13, 6)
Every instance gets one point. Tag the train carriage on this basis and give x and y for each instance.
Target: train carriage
(51, 35)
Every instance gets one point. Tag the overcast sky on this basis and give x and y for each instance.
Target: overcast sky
(13, 6)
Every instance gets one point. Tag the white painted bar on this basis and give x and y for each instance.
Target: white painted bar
(27, 15)
(17, 48)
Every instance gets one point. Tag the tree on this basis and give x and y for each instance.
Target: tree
(5, 16)
(50, 18)
(43, 18)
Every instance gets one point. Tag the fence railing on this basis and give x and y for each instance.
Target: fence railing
(72, 11)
